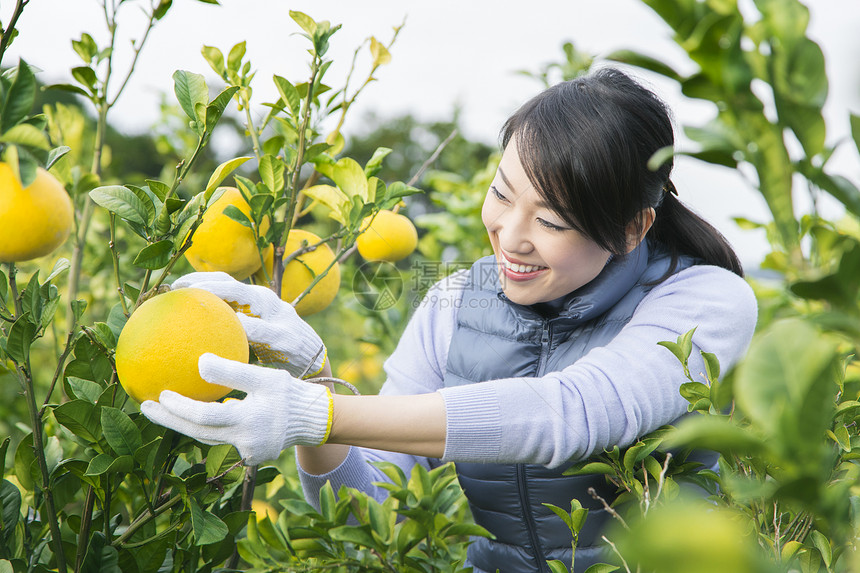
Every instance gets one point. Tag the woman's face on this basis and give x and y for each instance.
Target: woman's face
(540, 257)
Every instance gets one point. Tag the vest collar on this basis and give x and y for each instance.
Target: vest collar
(596, 297)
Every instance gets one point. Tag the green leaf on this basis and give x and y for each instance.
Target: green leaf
(591, 468)
(215, 58)
(556, 566)
(86, 48)
(154, 256)
(104, 463)
(374, 164)
(823, 545)
(81, 418)
(237, 215)
(785, 383)
(216, 107)
(646, 62)
(27, 135)
(333, 198)
(60, 266)
(121, 433)
(122, 201)
(219, 458)
(272, 172)
(359, 535)
(86, 76)
(288, 93)
(221, 172)
(234, 58)
(712, 366)
(563, 514)
(26, 467)
(602, 568)
(20, 338)
(84, 389)
(305, 22)
(10, 515)
(855, 130)
(207, 527)
(191, 91)
(715, 433)
(381, 520)
(3, 448)
(19, 99)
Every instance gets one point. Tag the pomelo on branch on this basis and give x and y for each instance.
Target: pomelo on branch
(300, 272)
(35, 220)
(160, 344)
(222, 244)
(387, 237)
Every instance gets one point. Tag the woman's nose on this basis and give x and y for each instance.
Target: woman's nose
(514, 236)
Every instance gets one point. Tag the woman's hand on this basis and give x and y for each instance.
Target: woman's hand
(278, 336)
(278, 411)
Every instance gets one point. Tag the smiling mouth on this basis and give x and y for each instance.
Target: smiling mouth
(520, 271)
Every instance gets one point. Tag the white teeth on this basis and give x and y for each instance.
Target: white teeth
(521, 268)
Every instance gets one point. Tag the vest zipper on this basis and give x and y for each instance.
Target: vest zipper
(545, 343)
(523, 488)
(522, 482)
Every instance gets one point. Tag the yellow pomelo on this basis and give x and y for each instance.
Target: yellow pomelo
(300, 272)
(222, 244)
(264, 509)
(389, 237)
(35, 220)
(160, 344)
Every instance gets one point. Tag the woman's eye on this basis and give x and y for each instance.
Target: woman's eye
(550, 226)
(498, 195)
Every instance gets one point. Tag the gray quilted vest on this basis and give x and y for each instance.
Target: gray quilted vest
(507, 499)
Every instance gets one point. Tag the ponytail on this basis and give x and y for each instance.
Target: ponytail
(683, 232)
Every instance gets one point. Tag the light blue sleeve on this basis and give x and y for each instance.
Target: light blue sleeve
(614, 394)
(417, 366)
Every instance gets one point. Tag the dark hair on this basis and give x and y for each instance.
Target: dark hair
(585, 146)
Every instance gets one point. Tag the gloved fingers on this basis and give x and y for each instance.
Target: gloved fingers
(192, 279)
(210, 414)
(245, 377)
(164, 416)
(251, 300)
(259, 330)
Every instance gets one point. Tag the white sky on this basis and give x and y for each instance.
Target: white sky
(463, 52)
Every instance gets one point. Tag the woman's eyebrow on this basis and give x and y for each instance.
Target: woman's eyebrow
(505, 179)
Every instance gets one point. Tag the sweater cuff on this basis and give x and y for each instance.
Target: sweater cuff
(352, 472)
(473, 423)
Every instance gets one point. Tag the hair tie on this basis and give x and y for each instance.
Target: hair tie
(669, 187)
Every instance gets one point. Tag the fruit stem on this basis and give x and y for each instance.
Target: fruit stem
(24, 372)
(320, 276)
(62, 360)
(293, 192)
(248, 485)
(115, 256)
(84, 532)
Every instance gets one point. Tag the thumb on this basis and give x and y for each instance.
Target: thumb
(245, 377)
(193, 279)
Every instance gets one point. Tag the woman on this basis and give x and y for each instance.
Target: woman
(541, 355)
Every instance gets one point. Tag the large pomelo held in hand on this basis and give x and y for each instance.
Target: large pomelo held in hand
(222, 244)
(160, 344)
(35, 220)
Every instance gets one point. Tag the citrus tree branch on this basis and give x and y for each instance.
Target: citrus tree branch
(6, 33)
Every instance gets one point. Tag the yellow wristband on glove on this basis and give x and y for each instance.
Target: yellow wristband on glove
(330, 417)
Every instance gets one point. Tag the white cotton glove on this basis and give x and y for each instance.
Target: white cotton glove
(278, 336)
(279, 410)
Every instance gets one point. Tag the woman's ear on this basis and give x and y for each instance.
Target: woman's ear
(639, 226)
